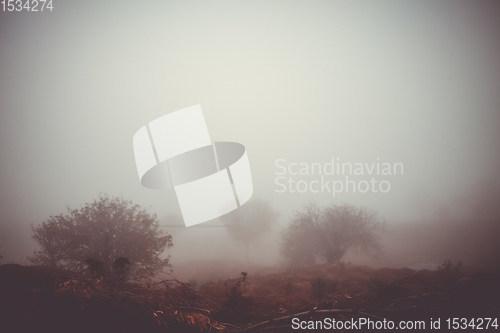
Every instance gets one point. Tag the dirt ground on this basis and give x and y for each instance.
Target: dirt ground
(223, 297)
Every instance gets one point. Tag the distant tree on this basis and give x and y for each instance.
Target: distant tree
(299, 240)
(106, 231)
(250, 222)
(330, 233)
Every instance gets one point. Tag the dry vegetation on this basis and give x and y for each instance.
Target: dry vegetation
(34, 298)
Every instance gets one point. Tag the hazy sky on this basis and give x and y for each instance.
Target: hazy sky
(411, 82)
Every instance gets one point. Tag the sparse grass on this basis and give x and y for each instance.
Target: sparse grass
(322, 286)
(289, 288)
(377, 282)
(239, 302)
(288, 285)
(449, 273)
(396, 290)
(386, 290)
(205, 285)
(193, 283)
(346, 282)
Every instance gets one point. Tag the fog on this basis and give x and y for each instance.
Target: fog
(413, 83)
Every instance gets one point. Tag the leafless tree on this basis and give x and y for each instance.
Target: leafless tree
(330, 233)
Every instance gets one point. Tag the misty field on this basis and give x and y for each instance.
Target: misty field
(265, 299)
(249, 166)
(103, 268)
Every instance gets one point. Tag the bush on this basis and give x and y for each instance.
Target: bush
(322, 286)
(449, 273)
(235, 295)
(448, 266)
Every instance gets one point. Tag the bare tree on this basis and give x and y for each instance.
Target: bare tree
(330, 233)
(299, 240)
(250, 222)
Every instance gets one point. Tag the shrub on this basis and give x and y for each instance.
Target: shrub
(448, 266)
(449, 273)
(235, 295)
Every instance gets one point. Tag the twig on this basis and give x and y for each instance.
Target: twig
(185, 302)
(371, 315)
(330, 297)
(308, 305)
(344, 290)
(403, 309)
(191, 309)
(355, 297)
(298, 315)
(275, 328)
(385, 287)
(410, 297)
(339, 311)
